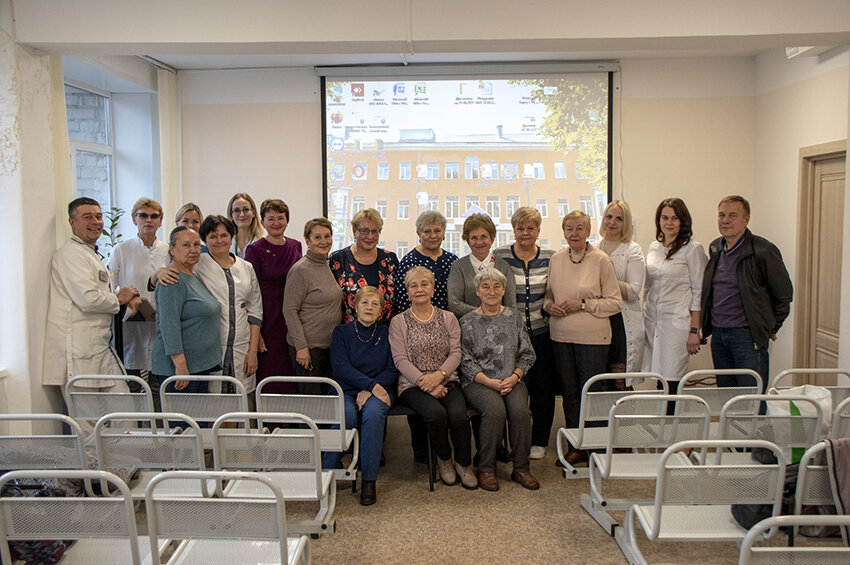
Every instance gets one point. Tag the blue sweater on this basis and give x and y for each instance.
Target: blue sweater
(360, 366)
(187, 321)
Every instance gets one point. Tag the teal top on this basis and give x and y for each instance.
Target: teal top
(187, 321)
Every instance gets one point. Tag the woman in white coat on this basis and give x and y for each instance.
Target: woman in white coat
(627, 327)
(674, 269)
(233, 283)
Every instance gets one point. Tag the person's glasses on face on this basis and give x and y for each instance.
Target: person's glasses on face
(240, 211)
(145, 215)
(366, 232)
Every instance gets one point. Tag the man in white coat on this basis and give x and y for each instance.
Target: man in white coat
(82, 303)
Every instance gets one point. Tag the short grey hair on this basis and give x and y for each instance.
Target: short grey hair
(428, 218)
(490, 274)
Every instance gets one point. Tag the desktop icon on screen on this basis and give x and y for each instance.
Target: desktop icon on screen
(398, 88)
(357, 90)
(420, 88)
(485, 88)
(336, 117)
(337, 172)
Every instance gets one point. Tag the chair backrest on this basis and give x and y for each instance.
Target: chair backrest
(840, 391)
(253, 449)
(790, 431)
(714, 481)
(43, 451)
(204, 407)
(155, 447)
(813, 484)
(596, 403)
(199, 517)
(717, 396)
(754, 554)
(70, 517)
(90, 404)
(321, 408)
(841, 420)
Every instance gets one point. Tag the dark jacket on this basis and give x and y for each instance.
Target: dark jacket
(763, 282)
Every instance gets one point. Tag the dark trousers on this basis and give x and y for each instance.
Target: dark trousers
(542, 383)
(576, 363)
(734, 348)
(321, 367)
(443, 417)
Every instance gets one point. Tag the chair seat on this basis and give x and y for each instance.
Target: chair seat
(593, 438)
(236, 552)
(172, 488)
(693, 523)
(297, 486)
(634, 465)
(107, 551)
(329, 440)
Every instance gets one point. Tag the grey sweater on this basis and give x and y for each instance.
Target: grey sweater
(312, 303)
(494, 345)
(461, 286)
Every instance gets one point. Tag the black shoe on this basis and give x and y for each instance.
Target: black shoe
(502, 454)
(420, 456)
(368, 496)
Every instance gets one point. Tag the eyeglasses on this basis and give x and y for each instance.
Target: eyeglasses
(145, 216)
(238, 211)
(366, 231)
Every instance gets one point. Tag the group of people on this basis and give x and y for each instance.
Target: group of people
(499, 331)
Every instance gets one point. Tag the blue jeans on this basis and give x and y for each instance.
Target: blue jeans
(373, 420)
(734, 348)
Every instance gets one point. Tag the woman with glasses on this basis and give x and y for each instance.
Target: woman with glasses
(243, 213)
(363, 264)
(134, 262)
(272, 257)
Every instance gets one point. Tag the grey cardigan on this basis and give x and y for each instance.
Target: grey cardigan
(461, 286)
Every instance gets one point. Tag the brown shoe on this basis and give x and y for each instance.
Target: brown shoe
(577, 458)
(526, 479)
(488, 481)
(447, 471)
(467, 476)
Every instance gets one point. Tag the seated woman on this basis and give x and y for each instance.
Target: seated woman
(496, 354)
(363, 365)
(425, 342)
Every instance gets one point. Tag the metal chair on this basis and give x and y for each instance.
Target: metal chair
(323, 409)
(595, 407)
(43, 451)
(640, 425)
(204, 407)
(718, 396)
(152, 450)
(841, 420)
(693, 500)
(291, 458)
(753, 554)
(104, 525)
(840, 392)
(226, 528)
(88, 405)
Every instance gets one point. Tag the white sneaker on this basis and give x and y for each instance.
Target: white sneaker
(537, 452)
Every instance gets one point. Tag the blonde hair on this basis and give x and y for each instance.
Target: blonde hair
(628, 227)
(526, 214)
(185, 209)
(475, 221)
(369, 214)
(315, 223)
(576, 214)
(369, 291)
(146, 202)
(256, 228)
(418, 270)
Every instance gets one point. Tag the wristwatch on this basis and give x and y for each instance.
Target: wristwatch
(695, 331)
(583, 305)
(445, 374)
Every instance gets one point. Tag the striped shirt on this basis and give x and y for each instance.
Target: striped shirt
(530, 286)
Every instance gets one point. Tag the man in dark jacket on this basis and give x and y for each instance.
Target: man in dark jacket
(746, 295)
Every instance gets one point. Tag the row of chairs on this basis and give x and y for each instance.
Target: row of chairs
(225, 528)
(291, 457)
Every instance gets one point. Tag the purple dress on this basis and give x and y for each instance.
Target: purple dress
(272, 263)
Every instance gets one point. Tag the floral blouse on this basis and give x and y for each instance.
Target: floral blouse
(350, 278)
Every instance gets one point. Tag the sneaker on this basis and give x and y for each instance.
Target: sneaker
(537, 452)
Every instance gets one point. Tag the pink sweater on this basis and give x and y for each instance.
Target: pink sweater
(593, 280)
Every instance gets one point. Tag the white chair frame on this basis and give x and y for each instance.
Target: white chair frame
(717, 396)
(752, 554)
(90, 404)
(839, 392)
(595, 407)
(43, 451)
(204, 407)
(292, 460)
(223, 529)
(841, 420)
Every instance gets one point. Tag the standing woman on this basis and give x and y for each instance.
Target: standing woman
(232, 282)
(431, 229)
(363, 264)
(627, 327)
(363, 365)
(530, 266)
(312, 303)
(243, 213)
(189, 215)
(187, 322)
(479, 232)
(674, 268)
(272, 257)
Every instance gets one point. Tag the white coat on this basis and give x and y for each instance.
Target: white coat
(241, 306)
(132, 263)
(79, 317)
(630, 268)
(673, 291)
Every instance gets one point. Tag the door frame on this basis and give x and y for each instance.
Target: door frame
(809, 157)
